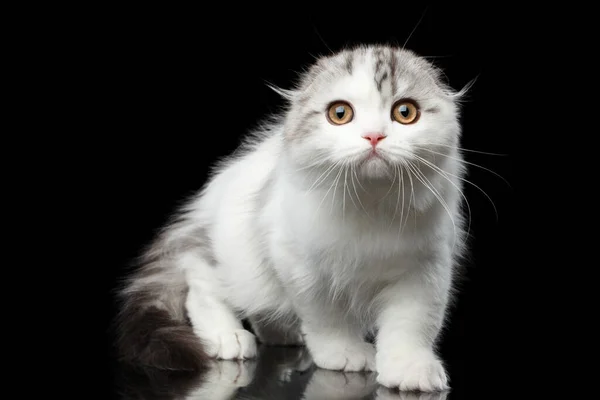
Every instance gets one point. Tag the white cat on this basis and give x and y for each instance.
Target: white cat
(341, 218)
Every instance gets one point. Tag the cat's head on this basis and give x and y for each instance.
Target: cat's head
(371, 107)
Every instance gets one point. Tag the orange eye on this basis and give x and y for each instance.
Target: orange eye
(340, 113)
(406, 112)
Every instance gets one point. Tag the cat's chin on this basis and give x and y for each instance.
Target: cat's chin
(375, 168)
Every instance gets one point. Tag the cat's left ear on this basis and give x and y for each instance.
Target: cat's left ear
(288, 95)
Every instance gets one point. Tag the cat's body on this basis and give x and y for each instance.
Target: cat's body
(313, 237)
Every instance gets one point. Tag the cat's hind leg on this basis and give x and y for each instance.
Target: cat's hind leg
(214, 321)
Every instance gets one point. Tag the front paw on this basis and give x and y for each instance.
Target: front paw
(234, 345)
(412, 372)
(340, 356)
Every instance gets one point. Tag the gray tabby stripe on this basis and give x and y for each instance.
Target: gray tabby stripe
(381, 79)
(381, 74)
(305, 129)
(349, 62)
(306, 124)
(393, 68)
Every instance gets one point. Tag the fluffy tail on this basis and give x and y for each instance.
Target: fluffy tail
(152, 326)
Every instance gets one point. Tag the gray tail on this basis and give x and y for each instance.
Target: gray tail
(152, 329)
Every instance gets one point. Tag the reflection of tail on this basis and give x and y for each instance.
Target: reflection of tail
(150, 383)
(153, 330)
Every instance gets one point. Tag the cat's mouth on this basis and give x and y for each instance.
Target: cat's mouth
(375, 165)
(373, 155)
(374, 159)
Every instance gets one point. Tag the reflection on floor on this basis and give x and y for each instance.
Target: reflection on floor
(278, 373)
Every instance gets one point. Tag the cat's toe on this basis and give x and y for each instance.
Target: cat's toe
(422, 372)
(345, 357)
(235, 345)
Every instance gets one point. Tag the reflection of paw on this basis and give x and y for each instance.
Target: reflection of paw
(421, 371)
(285, 375)
(223, 380)
(304, 361)
(234, 373)
(340, 356)
(327, 384)
(387, 394)
(234, 345)
(300, 363)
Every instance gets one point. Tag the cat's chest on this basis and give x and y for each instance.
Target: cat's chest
(355, 252)
(352, 236)
(367, 256)
(355, 244)
(311, 230)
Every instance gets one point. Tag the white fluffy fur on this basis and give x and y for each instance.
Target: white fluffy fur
(367, 247)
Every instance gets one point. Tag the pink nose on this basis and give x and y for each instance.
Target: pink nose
(374, 138)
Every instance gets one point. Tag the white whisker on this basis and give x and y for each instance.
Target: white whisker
(442, 173)
(358, 180)
(462, 149)
(356, 192)
(478, 188)
(344, 200)
(321, 178)
(412, 195)
(335, 185)
(415, 28)
(349, 192)
(328, 190)
(320, 161)
(464, 161)
(403, 198)
(391, 186)
(396, 172)
(427, 183)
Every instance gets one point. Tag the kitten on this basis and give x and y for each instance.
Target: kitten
(339, 219)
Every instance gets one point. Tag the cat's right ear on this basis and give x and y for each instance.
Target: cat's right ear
(288, 95)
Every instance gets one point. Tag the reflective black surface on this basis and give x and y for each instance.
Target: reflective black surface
(278, 373)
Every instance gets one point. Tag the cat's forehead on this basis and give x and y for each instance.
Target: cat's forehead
(387, 70)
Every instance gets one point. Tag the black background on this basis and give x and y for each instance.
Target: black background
(179, 89)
